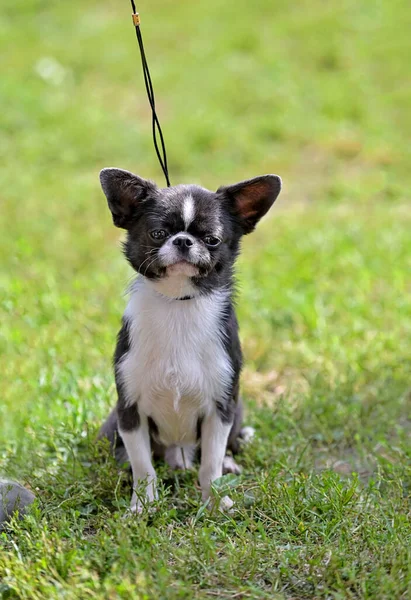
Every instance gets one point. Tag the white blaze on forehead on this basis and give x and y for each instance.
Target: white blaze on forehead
(188, 211)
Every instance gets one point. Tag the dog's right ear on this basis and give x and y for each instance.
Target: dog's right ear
(124, 192)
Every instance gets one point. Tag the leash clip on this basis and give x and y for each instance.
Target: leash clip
(136, 19)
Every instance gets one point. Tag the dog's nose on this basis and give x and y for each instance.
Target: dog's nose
(183, 242)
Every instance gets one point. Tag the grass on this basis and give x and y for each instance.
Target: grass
(317, 92)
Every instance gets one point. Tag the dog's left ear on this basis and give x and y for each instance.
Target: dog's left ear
(252, 199)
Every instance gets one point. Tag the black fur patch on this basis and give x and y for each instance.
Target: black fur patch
(226, 407)
(123, 342)
(128, 417)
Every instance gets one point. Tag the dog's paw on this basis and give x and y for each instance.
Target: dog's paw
(247, 434)
(133, 512)
(226, 504)
(230, 466)
(140, 508)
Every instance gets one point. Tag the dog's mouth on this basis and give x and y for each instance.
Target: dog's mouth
(183, 267)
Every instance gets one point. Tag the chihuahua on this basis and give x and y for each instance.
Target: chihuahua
(178, 357)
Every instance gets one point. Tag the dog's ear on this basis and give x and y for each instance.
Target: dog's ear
(252, 199)
(125, 192)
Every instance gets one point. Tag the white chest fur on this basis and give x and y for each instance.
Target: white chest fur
(177, 366)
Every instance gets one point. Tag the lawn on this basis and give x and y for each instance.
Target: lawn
(317, 92)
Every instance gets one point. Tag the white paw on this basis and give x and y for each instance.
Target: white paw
(139, 502)
(226, 504)
(133, 511)
(138, 508)
(247, 434)
(230, 466)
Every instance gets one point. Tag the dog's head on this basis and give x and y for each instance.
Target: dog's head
(185, 239)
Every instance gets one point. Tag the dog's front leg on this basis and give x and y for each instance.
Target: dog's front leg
(136, 437)
(214, 436)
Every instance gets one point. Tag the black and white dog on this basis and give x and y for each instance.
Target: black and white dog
(178, 356)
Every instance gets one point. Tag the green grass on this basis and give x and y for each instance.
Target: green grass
(317, 92)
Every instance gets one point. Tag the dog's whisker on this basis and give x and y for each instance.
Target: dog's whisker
(149, 265)
(145, 260)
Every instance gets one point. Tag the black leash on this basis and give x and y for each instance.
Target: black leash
(161, 155)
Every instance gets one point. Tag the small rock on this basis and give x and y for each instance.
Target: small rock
(13, 497)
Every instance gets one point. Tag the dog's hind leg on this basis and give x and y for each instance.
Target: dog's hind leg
(239, 435)
(109, 430)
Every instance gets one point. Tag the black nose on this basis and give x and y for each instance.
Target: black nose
(183, 242)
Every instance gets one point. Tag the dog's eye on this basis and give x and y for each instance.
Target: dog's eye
(211, 241)
(158, 234)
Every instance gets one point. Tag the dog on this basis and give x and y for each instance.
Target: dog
(178, 357)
